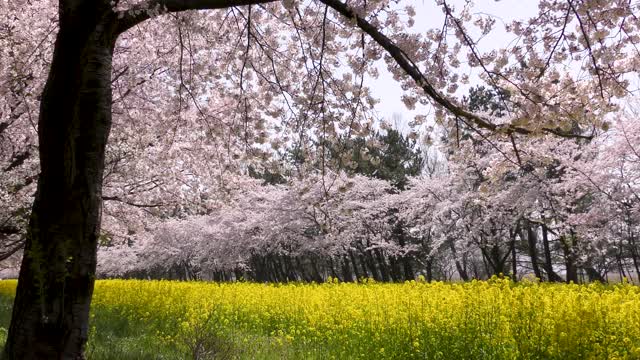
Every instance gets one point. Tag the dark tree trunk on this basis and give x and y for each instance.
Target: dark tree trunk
(332, 268)
(406, 258)
(291, 271)
(548, 262)
(621, 271)
(371, 264)
(429, 259)
(394, 269)
(569, 258)
(532, 241)
(492, 260)
(429, 270)
(593, 274)
(475, 271)
(51, 308)
(488, 270)
(366, 267)
(633, 250)
(280, 268)
(496, 260)
(237, 272)
(316, 273)
(346, 269)
(408, 269)
(270, 268)
(461, 270)
(514, 262)
(384, 270)
(355, 266)
(259, 268)
(302, 271)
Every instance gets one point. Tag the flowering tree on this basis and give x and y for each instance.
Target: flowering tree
(606, 178)
(557, 209)
(266, 73)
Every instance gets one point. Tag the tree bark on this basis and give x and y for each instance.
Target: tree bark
(382, 264)
(633, 250)
(569, 257)
(514, 256)
(302, 271)
(429, 270)
(532, 241)
(461, 270)
(406, 258)
(346, 269)
(51, 308)
(548, 263)
(355, 266)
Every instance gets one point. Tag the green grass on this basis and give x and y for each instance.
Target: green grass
(113, 337)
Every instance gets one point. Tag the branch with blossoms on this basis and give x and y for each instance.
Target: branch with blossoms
(412, 69)
(144, 11)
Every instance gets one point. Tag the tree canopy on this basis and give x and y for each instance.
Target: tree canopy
(117, 115)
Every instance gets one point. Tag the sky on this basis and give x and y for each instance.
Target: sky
(428, 16)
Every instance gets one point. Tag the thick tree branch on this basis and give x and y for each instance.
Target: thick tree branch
(412, 70)
(18, 160)
(144, 11)
(7, 253)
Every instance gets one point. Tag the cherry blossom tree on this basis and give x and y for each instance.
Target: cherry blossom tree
(219, 86)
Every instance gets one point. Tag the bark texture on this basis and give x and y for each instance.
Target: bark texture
(51, 308)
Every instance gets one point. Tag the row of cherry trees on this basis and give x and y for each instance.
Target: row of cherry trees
(556, 209)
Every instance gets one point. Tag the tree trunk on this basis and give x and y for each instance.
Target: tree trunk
(429, 270)
(406, 258)
(461, 270)
(303, 273)
(548, 262)
(355, 267)
(394, 269)
(384, 270)
(346, 269)
(371, 264)
(291, 272)
(634, 254)
(51, 308)
(514, 257)
(569, 258)
(317, 277)
(334, 273)
(593, 275)
(366, 266)
(532, 240)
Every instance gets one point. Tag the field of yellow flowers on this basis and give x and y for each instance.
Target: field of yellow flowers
(495, 319)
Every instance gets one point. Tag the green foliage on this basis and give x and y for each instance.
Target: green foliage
(270, 177)
(389, 156)
(495, 102)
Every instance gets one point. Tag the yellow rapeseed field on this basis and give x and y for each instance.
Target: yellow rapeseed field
(495, 319)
